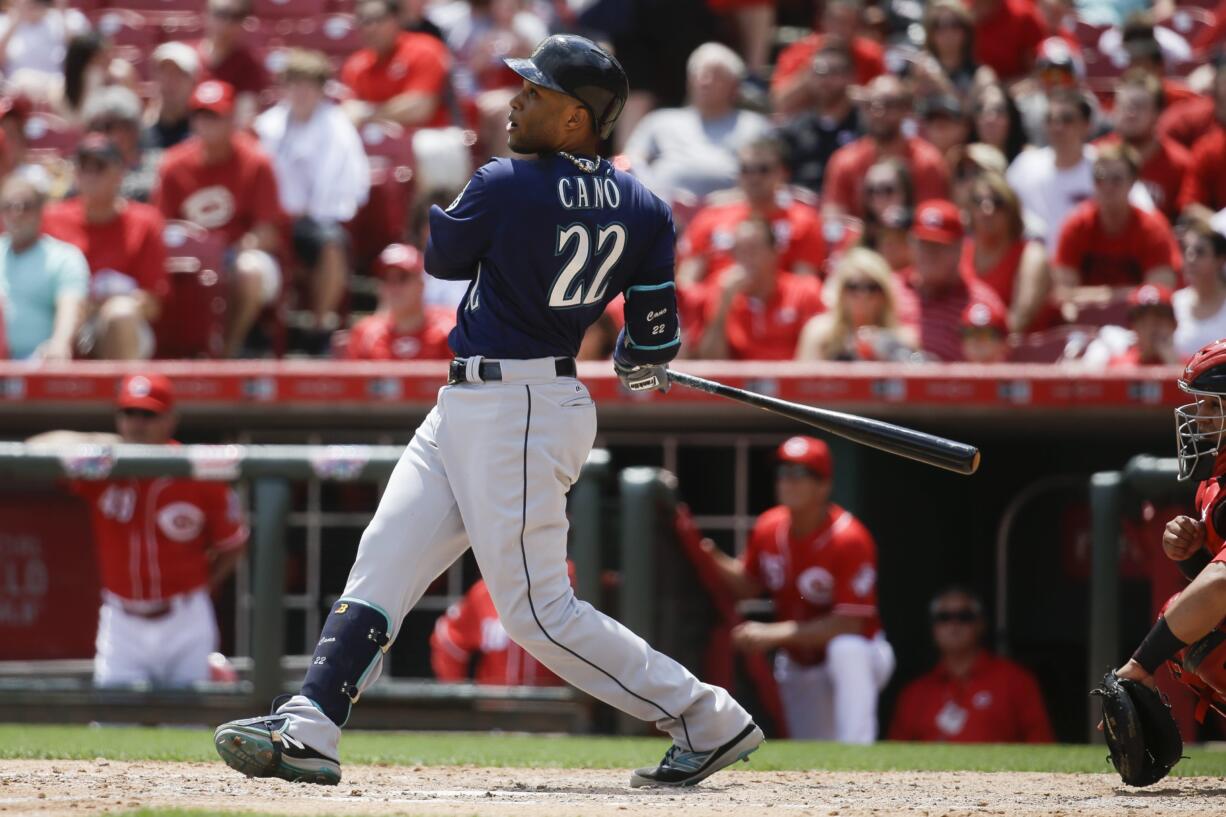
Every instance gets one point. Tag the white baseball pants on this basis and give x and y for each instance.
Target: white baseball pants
(836, 700)
(490, 468)
(171, 651)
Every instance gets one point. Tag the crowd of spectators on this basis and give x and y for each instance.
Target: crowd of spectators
(991, 180)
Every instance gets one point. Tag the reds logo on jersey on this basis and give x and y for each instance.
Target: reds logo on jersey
(816, 586)
(180, 521)
(406, 346)
(210, 207)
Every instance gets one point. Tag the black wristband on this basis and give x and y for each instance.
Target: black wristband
(1194, 564)
(1159, 645)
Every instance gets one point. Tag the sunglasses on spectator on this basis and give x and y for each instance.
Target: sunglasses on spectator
(793, 470)
(942, 23)
(19, 206)
(139, 413)
(1066, 118)
(868, 287)
(229, 15)
(881, 189)
(988, 204)
(992, 110)
(825, 69)
(961, 616)
(371, 19)
(92, 166)
(1194, 252)
(757, 168)
(106, 125)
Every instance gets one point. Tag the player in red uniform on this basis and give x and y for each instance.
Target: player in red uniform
(970, 696)
(162, 545)
(819, 564)
(471, 627)
(1190, 623)
(403, 328)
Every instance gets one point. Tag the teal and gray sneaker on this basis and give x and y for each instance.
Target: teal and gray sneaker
(684, 768)
(261, 747)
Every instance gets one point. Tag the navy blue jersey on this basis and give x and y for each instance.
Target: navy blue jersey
(547, 243)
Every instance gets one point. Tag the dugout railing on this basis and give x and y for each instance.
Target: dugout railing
(270, 470)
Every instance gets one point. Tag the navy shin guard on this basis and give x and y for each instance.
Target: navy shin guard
(352, 643)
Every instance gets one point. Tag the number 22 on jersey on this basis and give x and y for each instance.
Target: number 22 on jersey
(569, 290)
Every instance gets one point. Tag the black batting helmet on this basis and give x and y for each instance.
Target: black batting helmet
(577, 67)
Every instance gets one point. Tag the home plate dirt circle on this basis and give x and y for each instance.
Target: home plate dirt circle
(53, 787)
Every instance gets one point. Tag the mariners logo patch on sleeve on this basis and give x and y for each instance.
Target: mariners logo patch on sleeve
(459, 196)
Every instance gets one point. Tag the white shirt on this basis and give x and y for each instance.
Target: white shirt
(1192, 333)
(675, 150)
(41, 46)
(321, 167)
(1048, 194)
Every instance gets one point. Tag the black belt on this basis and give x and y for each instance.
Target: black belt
(492, 370)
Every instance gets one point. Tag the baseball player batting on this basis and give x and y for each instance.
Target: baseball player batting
(546, 243)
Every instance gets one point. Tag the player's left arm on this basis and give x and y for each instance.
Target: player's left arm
(652, 334)
(461, 234)
(1194, 614)
(227, 532)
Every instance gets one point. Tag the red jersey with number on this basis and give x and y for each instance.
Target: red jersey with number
(796, 225)
(867, 58)
(998, 702)
(832, 571)
(845, 172)
(1006, 40)
(229, 197)
(472, 629)
(154, 536)
(1205, 182)
(129, 244)
(1116, 259)
(418, 64)
(375, 338)
(768, 329)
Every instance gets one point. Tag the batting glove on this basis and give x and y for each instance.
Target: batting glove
(642, 377)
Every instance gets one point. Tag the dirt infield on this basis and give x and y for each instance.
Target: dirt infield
(46, 788)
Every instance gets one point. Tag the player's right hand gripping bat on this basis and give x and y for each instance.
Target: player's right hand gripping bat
(905, 442)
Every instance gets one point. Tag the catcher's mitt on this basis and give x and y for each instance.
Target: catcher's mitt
(1141, 733)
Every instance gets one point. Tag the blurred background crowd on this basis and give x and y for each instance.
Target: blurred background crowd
(989, 181)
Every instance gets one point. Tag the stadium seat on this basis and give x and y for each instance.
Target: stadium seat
(193, 315)
(292, 9)
(46, 131)
(1060, 344)
(123, 26)
(194, 6)
(336, 35)
(185, 27)
(1190, 21)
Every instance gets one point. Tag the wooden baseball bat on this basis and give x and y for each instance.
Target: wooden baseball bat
(904, 442)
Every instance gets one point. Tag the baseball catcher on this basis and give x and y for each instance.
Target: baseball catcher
(1142, 736)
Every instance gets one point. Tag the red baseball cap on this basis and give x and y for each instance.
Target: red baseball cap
(151, 392)
(213, 95)
(810, 452)
(939, 221)
(981, 315)
(399, 257)
(1150, 296)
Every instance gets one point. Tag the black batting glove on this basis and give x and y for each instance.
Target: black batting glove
(642, 376)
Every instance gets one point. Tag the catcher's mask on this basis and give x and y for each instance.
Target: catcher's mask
(1201, 424)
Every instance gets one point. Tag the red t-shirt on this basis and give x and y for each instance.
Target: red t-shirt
(130, 244)
(712, 232)
(1119, 259)
(1007, 40)
(1205, 181)
(867, 57)
(940, 314)
(831, 571)
(471, 627)
(375, 338)
(229, 197)
(418, 63)
(1162, 173)
(1187, 122)
(1001, 277)
(154, 536)
(845, 172)
(998, 702)
(241, 68)
(768, 330)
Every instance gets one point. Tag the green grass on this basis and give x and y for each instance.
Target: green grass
(449, 749)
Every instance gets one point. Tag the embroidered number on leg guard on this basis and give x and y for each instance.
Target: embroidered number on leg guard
(353, 640)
